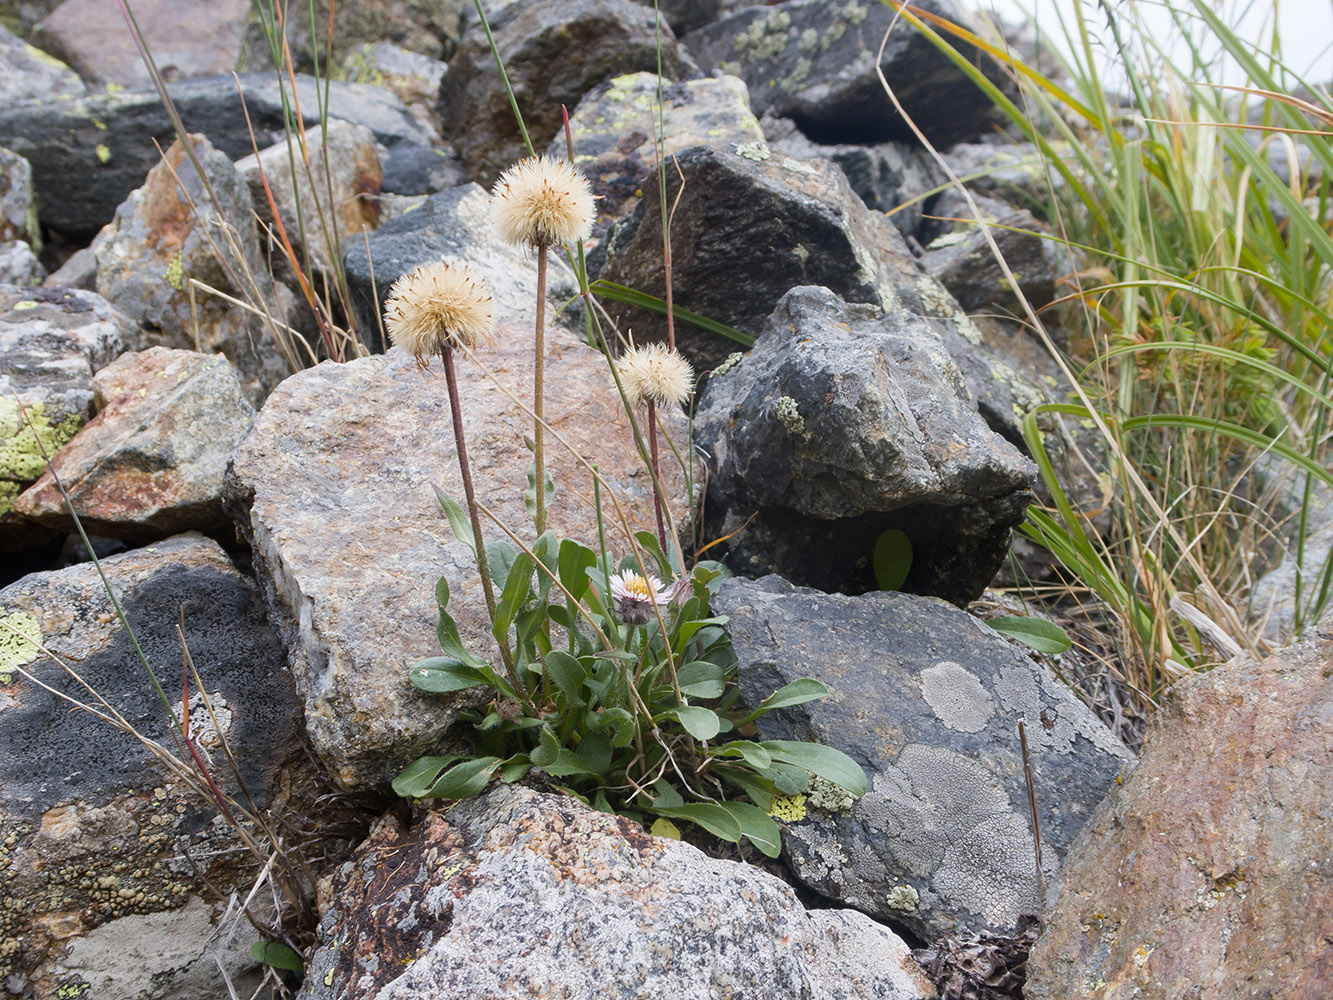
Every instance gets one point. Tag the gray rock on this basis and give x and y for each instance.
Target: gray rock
(815, 64)
(18, 211)
(750, 225)
(958, 255)
(1274, 598)
(842, 422)
(522, 893)
(926, 698)
(614, 126)
(414, 77)
(51, 342)
(167, 233)
(19, 265)
(349, 539)
(454, 224)
(29, 74)
(185, 38)
(886, 175)
(554, 53)
(687, 15)
(1011, 171)
(151, 463)
(90, 822)
(111, 136)
(339, 182)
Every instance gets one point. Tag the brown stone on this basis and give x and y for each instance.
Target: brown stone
(1209, 873)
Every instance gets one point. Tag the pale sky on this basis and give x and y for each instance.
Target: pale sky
(1304, 26)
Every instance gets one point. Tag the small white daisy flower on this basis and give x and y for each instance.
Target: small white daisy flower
(633, 598)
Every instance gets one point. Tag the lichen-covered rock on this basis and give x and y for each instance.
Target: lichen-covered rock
(1207, 873)
(19, 265)
(338, 183)
(92, 828)
(51, 342)
(845, 421)
(18, 211)
(168, 233)
(814, 62)
(151, 463)
(185, 37)
(333, 487)
(614, 126)
(114, 136)
(553, 53)
(29, 74)
(926, 698)
(519, 893)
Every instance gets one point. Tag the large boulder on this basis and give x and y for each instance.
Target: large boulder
(151, 463)
(29, 74)
(553, 53)
(349, 539)
(100, 841)
(926, 699)
(815, 64)
(519, 893)
(1207, 873)
(845, 421)
(169, 233)
(51, 342)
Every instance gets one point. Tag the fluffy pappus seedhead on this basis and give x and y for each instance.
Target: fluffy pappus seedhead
(438, 305)
(654, 373)
(542, 202)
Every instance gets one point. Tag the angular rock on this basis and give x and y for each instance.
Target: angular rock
(751, 225)
(169, 232)
(19, 265)
(816, 65)
(29, 74)
(413, 77)
(339, 182)
(454, 224)
(926, 698)
(845, 421)
(614, 126)
(349, 538)
(1011, 171)
(687, 15)
(958, 255)
(18, 211)
(151, 463)
(554, 53)
(92, 828)
(185, 38)
(522, 893)
(51, 342)
(111, 136)
(1207, 872)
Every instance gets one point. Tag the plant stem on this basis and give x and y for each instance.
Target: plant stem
(465, 469)
(538, 459)
(657, 474)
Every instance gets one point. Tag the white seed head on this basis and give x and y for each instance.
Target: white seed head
(438, 305)
(654, 373)
(542, 202)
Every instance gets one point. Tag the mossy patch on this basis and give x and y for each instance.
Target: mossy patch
(22, 444)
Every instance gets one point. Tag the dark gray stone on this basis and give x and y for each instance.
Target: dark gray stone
(111, 136)
(926, 698)
(554, 52)
(516, 893)
(844, 421)
(815, 63)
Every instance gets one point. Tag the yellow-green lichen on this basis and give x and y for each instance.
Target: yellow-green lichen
(903, 898)
(103, 153)
(20, 637)
(789, 808)
(731, 361)
(757, 150)
(829, 797)
(23, 441)
(765, 38)
(23, 305)
(175, 274)
(784, 408)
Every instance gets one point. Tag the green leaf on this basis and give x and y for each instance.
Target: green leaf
(596, 753)
(545, 550)
(414, 780)
(789, 779)
(447, 629)
(462, 781)
(701, 679)
(709, 815)
(515, 768)
(547, 750)
(621, 293)
(663, 827)
(440, 674)
(618, 720)
(500, 555)
(530, 494)
(647, 540)
(279, 956)
(1035, 633)
(701, 723)
(757, 826)
(830, 764)
(687, 630)
(567, 763)
(893, 559)
(758, 788)
(574, 562)
(798, 692)
(752, 753)
(568, 675)
(518, 585)
(458, 519)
